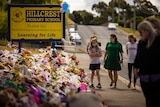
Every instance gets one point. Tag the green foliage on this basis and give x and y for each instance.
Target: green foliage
(86, 17)
(98, 20)
(3, 25)
(76, 17)
(3, 5)
(83, 17)
(129, 30)
(145, 8)
(53, 1)
(120, 23)
(139, 19)
(71, 16)
(100, 8)
(36, 1)
(3, 21)
(95, 21)
(28, 1)
(128, 23)
(158, 17)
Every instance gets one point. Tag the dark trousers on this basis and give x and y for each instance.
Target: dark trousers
(151, 91)
(130, 69)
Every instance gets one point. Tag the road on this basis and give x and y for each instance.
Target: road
(121, 96)
(103, 35)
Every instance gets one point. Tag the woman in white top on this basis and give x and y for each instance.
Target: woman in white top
(131, 49)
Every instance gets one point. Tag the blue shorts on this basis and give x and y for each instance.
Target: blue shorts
(94, 66)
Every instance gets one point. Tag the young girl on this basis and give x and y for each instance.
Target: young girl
(90, 43)
(94, 36)
(131, 49)
(95, 54)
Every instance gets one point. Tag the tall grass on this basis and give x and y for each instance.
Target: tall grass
(130, 31)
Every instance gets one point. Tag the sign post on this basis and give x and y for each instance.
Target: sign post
(35, 23)
(19, 46)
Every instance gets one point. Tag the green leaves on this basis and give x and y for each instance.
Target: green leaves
(3, 21)
(145, 8)
(81, 17)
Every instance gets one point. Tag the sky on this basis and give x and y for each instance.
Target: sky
(87, 4)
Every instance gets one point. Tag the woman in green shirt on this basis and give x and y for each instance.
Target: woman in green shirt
(113, 58)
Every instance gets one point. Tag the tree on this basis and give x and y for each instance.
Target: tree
(3, 19)
(121, 9)
(28, 1)
(99, 20)
(145, 8)
(100, 8)
(53, 1)
(104, 10)
(81, 17)
(76, 17)
(3, 24)
(116, 9)
(86, 17)
(71, 16)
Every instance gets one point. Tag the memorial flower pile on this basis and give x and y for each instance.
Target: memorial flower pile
(45, 79)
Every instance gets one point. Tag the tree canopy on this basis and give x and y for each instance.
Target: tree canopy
(145, 8)
(117, 11)
(81, 17)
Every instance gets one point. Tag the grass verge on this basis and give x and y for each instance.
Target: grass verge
(130, 31)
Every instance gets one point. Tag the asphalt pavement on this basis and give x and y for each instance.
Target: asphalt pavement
(122, 96)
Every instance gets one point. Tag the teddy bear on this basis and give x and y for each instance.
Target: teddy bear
(10, 96)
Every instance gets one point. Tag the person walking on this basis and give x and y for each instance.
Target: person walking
(113, 58)
(131, 50)
(146, 63)
(95, 54)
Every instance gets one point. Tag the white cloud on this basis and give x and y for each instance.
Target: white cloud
(87, 4)
(76, 4)
(82, 4)
(156, 3)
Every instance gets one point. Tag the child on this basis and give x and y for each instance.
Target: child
(94, 36)
(131, 49)
(95, 54)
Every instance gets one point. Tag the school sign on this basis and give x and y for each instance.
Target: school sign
(36, 22)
